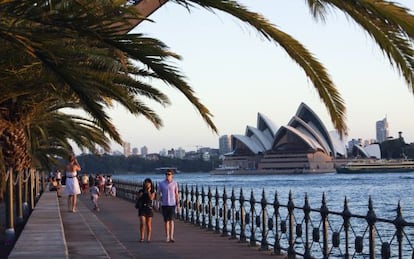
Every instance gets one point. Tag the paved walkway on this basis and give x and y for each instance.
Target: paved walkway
(114, 233)
(43, 235)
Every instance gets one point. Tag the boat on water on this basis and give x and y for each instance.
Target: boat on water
(376, 166)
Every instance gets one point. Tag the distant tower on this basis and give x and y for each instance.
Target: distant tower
(127, 148)
(382, 130)
(144, 151)
(225, 144)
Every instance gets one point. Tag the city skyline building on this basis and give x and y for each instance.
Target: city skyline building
(258, 139)
(144, 151)
(127, 148)
(382, 130)
(224, 144)
(179, 153)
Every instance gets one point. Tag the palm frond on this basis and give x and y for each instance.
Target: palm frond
(314, 70)
(390, 25)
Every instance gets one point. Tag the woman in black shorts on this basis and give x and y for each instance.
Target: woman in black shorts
(145, 197)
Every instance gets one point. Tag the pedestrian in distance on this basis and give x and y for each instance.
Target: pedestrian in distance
(108, 184)
(91, 180)
(58, 175)
(112, 192)
(145, 197)
(72, 182)
(168, 191)
(95, 196)
(85, 183)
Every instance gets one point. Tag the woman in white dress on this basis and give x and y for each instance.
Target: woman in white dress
(72, 183)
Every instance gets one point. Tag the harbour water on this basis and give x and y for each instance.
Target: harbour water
(385, 189)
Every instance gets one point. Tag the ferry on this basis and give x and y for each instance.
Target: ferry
(376, 166)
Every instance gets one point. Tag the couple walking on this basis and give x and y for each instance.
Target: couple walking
(168, 194)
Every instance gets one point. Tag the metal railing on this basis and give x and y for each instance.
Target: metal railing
(297, 231)
(23, 190)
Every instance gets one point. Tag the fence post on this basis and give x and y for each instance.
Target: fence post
(198, 206)
(346, 215)
(263, 244)
(182, 204)
(252, 212)
(306, 211)
(31, 190)
(210, 209)
(203, 202)
(26, 208)
(217, 197)
(19, 198)
(225, 232)
(37, 185)
(192, 204)
(324, 214)
(277, 249)
(243, 236)
(399, 223)
(291, 207)
(233, 234)
(187, 217)
(371, 219)
(10, 231)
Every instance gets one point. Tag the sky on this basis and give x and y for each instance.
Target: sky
(237, 74)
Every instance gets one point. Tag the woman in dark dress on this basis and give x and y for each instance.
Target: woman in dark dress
(145, 197)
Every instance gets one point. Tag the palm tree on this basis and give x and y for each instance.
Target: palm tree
(34, 132)
(389, 24)
(50, 131)
(80, 56)
(42, 29)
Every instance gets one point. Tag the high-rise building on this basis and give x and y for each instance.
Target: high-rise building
(382, 130)
(163, 152)
(127, 148)
(224, 144)
(179, 153)
(144, 151)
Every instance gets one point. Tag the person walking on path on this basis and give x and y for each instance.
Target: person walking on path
(112, 192)
(85, 183)
(58, 176)
(72, 182)
(95, 196)
(145, 197)
(168, 190)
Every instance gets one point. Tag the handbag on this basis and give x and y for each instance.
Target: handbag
(138, 203)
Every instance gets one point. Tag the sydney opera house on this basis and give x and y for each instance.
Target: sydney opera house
(304, 145)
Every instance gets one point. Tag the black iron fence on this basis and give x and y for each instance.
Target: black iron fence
(288, 228)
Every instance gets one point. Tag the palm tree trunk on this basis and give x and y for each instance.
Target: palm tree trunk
(14, 151)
